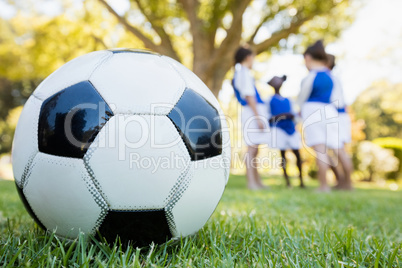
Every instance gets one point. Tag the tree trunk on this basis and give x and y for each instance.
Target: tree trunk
(214, 82)
(371, 175)
(213, 76)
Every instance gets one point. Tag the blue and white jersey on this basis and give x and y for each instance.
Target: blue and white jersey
(337, 96)
(278, 105)
(317, 111)
(316, 87)
(244, 85)
(345, 125)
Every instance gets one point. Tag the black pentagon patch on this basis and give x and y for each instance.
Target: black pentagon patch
(140, 228)
(70, 120)
(199, 125)
(28, 207)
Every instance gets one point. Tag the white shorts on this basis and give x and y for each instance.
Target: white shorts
(345, 128)
(280, 139)
(320, 125)
(252, 135)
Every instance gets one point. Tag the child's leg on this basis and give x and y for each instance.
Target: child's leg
(257, 177)
(299, 166)
(336, 169)
(322, 164)
(347, 168)
(251, 168)
(283, 154)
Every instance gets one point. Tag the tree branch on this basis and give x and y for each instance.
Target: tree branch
(237, 24)
(157, 25)
(293, 28)
(277, 36)
(216, 19)
(264, 20)
(233, 35)
(99, 40)
(147, 42)
(191, 7)
(270, 15)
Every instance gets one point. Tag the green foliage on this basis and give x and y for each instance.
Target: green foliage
(16, 76)
(13, 94)
(7, 129)
(375, 161)
(276, 228)
(33, 44)
(40, 44)
(395, 145)
(206, 33)
(327, 23)
(380, 106)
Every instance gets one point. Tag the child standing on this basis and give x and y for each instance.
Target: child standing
(254, 119)
(337, 98)
(319, 130)
(283, 132)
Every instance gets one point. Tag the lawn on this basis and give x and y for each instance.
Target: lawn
(272, 228)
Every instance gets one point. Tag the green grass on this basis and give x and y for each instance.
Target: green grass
(276, 228)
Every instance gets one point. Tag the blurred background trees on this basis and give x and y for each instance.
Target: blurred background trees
(380, 107)
(211, 30)
(375, 161)
(7, 128)
(202, 34)
(40, 36)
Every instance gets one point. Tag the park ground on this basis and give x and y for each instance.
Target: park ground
(278, 227)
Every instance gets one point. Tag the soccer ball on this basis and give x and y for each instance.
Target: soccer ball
(121, 143)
